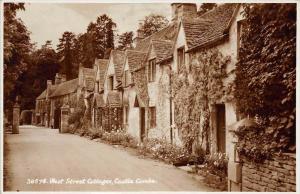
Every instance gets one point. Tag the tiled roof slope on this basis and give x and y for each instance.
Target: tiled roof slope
(89, 78)
(163, 49)
(118, 60)
(209, 27)
(135, 59)
(98, 100)
(42, 95)
(102, 66)
(65, 88)
(141, 88)
(167, 33)
(114, 99)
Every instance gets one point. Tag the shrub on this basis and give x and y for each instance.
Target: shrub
(217, 164)
(160, 149)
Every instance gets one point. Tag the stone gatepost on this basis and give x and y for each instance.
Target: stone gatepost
(234, 164)
(65, 110)
(16, 118)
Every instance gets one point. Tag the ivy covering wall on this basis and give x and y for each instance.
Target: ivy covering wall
(194, 88)
(266, 80)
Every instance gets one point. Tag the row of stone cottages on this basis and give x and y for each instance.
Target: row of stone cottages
(126, 92)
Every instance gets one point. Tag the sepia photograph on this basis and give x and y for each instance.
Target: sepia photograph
(141, 96)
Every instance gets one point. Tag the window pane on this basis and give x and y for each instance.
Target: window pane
(153, 70)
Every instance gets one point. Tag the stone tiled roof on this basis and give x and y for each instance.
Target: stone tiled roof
(118, 61)
(98, 100)
(163, 49)
(114, 99)
(135, 59)
(42, 95)
(167, 33)
(102, 66)
(209, 27)
(89, 78)
(65, 88)
(141, 88)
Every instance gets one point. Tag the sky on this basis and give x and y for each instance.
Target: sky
(48, 21)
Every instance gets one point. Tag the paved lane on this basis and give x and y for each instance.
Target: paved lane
(44, 154)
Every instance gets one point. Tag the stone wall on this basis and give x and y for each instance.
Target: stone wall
(278, 174)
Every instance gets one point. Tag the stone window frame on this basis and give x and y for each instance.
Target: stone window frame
(180, 57)
(152, 70)
(152, 116)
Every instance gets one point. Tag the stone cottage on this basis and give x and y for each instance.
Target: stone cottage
(63, 94)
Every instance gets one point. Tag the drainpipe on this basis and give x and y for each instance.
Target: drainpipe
(171, 107)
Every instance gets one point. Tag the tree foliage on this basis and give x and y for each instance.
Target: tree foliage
(125, 40)
(266, 71)
(205, 7)
(43, 66)
(66, 51)
(153, 23)
(17, 48)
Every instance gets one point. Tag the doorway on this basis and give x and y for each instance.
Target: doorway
(221, 128)
(57, 118)
(142, 123)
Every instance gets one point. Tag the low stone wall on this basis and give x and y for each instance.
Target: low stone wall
(278, 174)
(214, 181)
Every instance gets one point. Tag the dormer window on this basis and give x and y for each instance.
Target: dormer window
(151, 70)
(111, 82)
(180, 58)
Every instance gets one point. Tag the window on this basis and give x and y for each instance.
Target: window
(126, 77)
(239, 35)
(111, 82)
(126, 114)
(151, 70)
(97, 87)
(180, 58)
(152, 112)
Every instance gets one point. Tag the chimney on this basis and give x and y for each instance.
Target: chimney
(139, 34)
(57, 79)
(63, 78)
(183, 10)
(49, 83)
(60, 78)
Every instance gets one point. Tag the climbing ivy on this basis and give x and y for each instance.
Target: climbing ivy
(194, 87)
(266, 79)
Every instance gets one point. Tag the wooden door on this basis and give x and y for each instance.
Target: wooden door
(221, 130)
(142, 123)
(57, 118)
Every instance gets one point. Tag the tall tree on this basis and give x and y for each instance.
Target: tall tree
(100, 35)
(205, 7)
(153, 23)
(44, 66)
(17, 48)
(125, 40)
(66, 51)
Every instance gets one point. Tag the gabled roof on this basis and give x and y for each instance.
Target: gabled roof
(135, 59)
(42, 95)
(141, 87)
(209, 27)
(88, 78)
(167, 33)
(98, 100)
(65, 88)
(118, 61)
(163, 49)
(114, 99)
(102, 66)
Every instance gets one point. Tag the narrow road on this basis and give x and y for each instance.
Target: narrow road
(66, 162)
